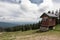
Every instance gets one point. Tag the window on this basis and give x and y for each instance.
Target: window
(45, 19)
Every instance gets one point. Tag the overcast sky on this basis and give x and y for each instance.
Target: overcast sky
(25, 10)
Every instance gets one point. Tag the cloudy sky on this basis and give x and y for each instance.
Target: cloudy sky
(25, 10)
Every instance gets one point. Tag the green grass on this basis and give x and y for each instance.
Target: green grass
(57, 27)
(13, 35)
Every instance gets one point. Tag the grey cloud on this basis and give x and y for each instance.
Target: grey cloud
(26, 11)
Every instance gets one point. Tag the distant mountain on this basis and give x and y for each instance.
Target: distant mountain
(5, 24)
(23, 23)
(12, 24)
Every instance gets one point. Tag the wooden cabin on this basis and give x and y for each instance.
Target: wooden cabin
(48, 21)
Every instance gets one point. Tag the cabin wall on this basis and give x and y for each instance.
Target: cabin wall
(52, 21)
(48, 22)
(45, 22)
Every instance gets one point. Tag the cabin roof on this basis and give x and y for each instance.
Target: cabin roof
(49, 14)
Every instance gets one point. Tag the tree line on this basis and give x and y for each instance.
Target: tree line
(21, 27)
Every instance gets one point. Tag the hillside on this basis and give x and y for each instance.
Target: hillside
(32, 35)
(5, 24)
(12, 24)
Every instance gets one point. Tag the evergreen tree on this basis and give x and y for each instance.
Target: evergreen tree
(59, 16)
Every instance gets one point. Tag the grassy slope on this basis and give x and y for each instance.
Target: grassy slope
(14, 35)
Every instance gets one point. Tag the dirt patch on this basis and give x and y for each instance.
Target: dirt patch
(38, 37)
